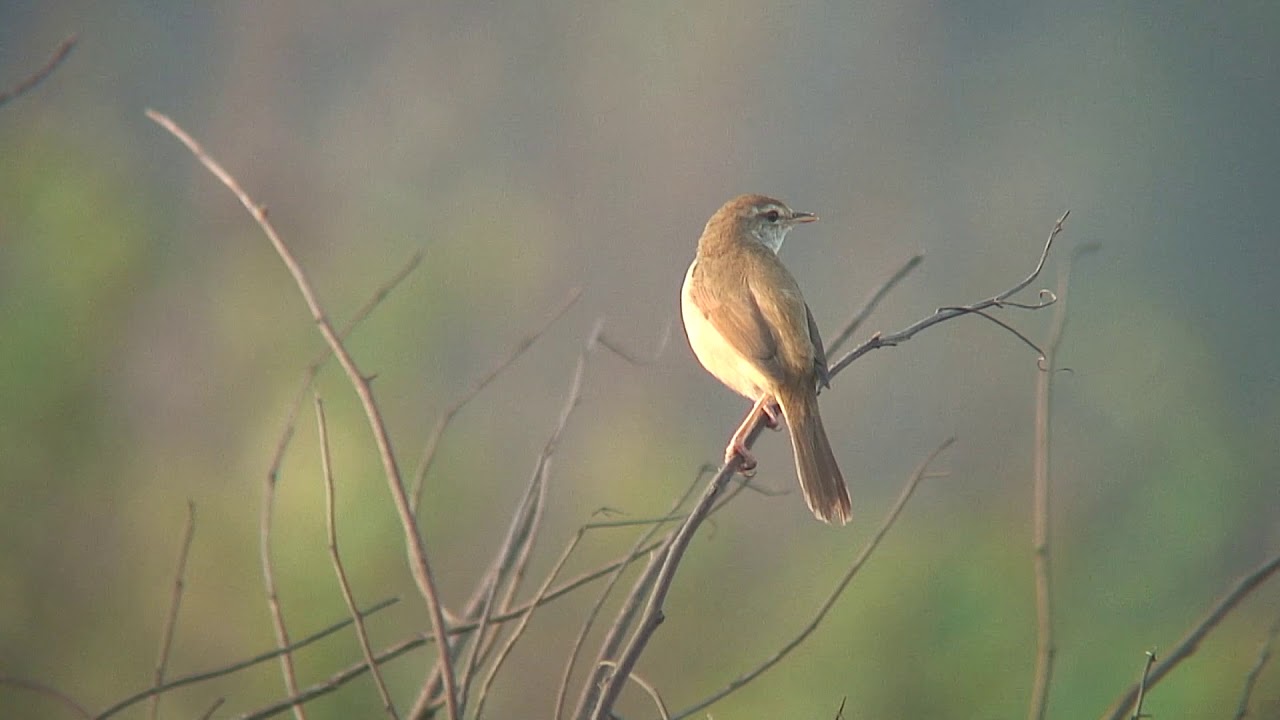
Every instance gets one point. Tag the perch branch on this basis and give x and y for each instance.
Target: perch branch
(891, 517)
(597, 703)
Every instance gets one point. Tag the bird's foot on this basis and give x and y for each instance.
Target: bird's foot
(748, 465)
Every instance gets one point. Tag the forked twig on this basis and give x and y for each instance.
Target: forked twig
(1191, 641)
(891, 517)
(331, 524)
(175, 601)
(948, 313)
(415, 544)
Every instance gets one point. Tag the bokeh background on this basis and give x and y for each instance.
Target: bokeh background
(150, 341)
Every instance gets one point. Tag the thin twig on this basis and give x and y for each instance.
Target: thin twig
(648, 688)
(446, 417)
(336, 680)
(511, 557)
(48, 691)
(276, 610)
(1142, 686)
(622, 623)
(1251, 679)
(1190, 642)
(415, 544)
(948, 313)
(175, 600)
(213, 708)
(891, 517)
(400, 648)
(239, 665)
(60, 53)
(872, 302)
(1041, 557)
(313, 369)
(633, 357)
(326, 468)
(541, 470)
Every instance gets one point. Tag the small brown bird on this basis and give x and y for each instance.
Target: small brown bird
(749, 326)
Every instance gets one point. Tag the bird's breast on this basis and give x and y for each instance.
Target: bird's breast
(738, 372)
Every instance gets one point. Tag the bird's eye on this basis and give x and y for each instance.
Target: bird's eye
(772, 216)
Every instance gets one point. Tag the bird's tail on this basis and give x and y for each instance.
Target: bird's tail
(820, 479)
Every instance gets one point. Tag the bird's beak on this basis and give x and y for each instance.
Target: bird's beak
(803, 217)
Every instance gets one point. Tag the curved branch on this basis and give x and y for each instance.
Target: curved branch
(415, 544)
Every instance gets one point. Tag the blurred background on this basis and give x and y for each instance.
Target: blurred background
(152, 342)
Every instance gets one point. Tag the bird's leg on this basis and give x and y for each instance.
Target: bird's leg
(768, 408)
(772, 412)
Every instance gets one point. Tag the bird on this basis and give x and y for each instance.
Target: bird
(749, 326)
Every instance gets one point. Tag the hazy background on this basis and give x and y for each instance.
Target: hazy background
(150, 341)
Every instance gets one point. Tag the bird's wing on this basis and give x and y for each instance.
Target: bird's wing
(734, 312)
(819, 353)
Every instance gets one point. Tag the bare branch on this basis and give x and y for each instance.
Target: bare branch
(175, 600)
(1045, 649)
(1142, 685)
(60, 53)
(522, 536)
(213, 708)
(544, 460)
(48, 691)
(1251, 679)
(281, 630)
(512, 556)
(944, 314)
(336, 680)
(415, 544)
(326, 468)
(446, 417)
(313, 369)
(631, 605)
(648, 688)
(1190, 642)
(240, 665)
(872, 302)
(891, 517)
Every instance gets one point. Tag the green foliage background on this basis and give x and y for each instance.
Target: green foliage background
(150, 341)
